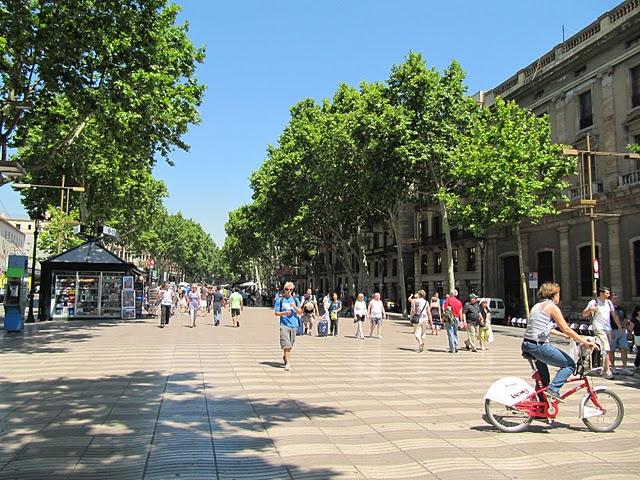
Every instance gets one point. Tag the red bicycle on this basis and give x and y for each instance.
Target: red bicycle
(511, 404)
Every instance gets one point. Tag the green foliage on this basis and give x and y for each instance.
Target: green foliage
(508, 169)
(57, 233)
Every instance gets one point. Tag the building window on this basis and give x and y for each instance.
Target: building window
(635, 86)
(376, 269)
(436, 226)
(424, 264)
(29, 227)
(384, 267)
(586, 269)
(471, 259)
(545, 267)
(437, 262)
(394, 267)
(454, 254)
(586, 112)
(424, 231)
(636, 264)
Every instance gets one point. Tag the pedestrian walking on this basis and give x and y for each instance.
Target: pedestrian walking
(436, 314)
(619, 337)
(194, 298)
(288, 309)
(471, 320)
(309, 311)
(420, 317)
(601, 311)
(377, 314)
(334, 314)
(485, 335)
(451, 313)
(360, 315)
(236, 305)
(167, 299)
(218, 299)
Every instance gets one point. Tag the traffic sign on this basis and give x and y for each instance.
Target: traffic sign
(533, 280)
(151, 263)
(596, 268)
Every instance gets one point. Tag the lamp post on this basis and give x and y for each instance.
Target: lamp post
(63, 189)
(481, 244)
(36, 230)
(589, 202)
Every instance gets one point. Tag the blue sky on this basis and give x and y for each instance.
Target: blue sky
(265, 55)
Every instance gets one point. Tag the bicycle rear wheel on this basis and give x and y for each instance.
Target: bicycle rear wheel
(611, 418)
(505, 418)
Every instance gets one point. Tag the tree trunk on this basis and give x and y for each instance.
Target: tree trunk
(523, 280)
(393, 216)
(451, 279)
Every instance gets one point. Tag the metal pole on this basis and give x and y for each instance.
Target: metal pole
(30, 317)
(59, 249)
(594, 282)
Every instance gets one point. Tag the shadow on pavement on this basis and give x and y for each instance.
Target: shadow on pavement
(46, 337)
(145, 425)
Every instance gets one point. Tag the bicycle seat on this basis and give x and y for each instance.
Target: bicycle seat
(528, 356)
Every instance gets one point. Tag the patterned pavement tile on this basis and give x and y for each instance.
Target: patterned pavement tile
(95, 400)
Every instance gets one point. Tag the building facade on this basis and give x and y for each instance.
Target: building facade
(589, 86)
(12, 242)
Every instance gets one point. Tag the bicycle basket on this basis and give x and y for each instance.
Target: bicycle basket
(588, 359)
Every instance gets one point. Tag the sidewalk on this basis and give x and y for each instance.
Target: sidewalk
(127, 399)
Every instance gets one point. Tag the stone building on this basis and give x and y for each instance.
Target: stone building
(589, 86)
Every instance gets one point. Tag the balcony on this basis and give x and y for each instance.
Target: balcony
(575, 193)
(629, 179)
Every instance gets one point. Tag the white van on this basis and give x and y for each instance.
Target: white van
(496, 305)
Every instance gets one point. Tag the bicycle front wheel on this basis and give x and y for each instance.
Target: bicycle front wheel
(505, 418)
(608, 420)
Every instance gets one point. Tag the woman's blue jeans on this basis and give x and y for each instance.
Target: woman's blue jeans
(547, 354)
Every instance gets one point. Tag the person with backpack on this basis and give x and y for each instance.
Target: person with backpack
(288, 309)
(601, 310)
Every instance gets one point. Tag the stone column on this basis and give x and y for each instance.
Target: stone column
(565, 265)
(429, 226)
(609, 143)
(615, 263)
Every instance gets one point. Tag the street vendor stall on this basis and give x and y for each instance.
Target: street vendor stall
(87, 281)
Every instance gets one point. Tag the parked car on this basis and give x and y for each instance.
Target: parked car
(496, 305)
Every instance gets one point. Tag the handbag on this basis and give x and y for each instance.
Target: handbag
(333, 315)
(415, 318)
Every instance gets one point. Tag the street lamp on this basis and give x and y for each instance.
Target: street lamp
(63, 188)
(30, 317)
(590, 202)
(481, 244)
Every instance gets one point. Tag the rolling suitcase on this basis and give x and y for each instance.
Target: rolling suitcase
(323, 328)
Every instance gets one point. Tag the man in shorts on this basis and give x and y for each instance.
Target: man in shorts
(376, 314)
(309, 311)
(235, 303)
(288, 309)
(602, 311)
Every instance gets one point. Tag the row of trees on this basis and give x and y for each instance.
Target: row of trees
(100, 90)
(348, 164)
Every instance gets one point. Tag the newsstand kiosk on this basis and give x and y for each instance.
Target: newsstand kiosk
(15, 295)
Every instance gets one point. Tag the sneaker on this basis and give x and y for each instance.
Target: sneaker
(554, 395)
(608, 375)
(287, 367)
(380, 337)
(468, 347)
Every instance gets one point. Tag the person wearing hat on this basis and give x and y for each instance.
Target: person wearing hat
(471, 320)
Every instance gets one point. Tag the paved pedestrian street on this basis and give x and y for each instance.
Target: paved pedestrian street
(127, 399)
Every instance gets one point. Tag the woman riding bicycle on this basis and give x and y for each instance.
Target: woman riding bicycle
(544, 318)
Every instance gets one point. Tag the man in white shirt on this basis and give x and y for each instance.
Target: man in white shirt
(602, 311)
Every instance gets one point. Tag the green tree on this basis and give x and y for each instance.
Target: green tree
(511, 173)
(113, 88)
(57, 233)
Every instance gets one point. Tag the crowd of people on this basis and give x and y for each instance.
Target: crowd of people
(312, 314)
